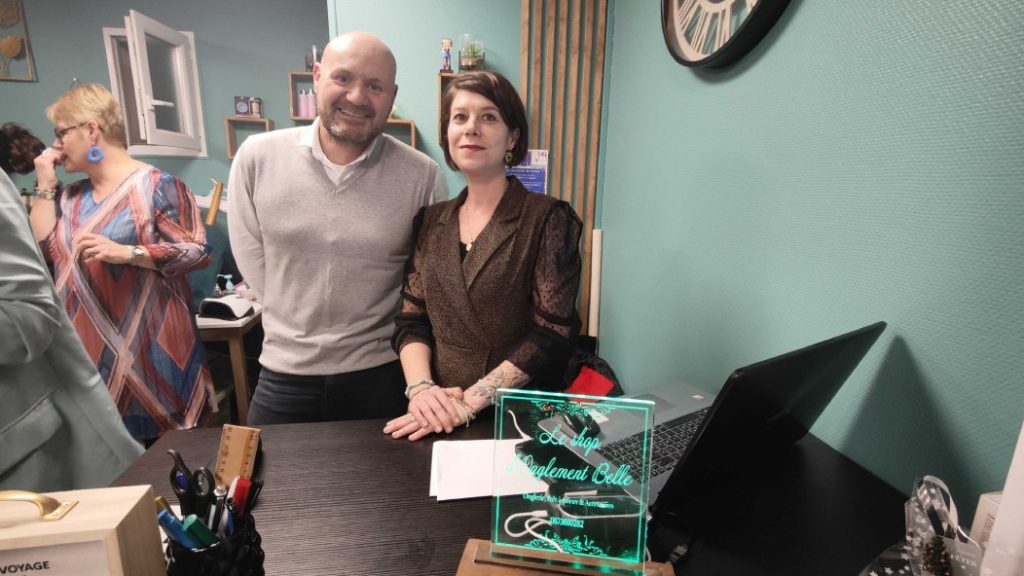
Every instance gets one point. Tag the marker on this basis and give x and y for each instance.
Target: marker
(161, 504)
(173, 528)
(195, 528)
(241, 495)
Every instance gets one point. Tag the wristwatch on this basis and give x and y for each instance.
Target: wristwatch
(137, 252)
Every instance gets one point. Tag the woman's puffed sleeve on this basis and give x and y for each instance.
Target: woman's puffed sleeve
(413, 324)
(545, 350)
(183, 246)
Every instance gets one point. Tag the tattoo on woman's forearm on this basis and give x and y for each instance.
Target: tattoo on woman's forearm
(502, 377)
(484, 391)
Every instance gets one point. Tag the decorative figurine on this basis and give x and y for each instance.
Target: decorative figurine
(446, 54)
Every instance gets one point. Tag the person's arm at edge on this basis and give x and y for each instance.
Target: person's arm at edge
(44, 212)
(243, 223)
(29, 313)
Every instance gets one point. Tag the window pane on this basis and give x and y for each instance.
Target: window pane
(127, 83)
(162, 72)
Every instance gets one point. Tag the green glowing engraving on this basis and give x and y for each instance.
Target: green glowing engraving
(557, 487)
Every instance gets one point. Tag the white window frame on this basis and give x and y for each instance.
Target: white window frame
(190, 142)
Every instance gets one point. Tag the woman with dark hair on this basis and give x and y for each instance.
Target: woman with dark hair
(122, 243)
(489, 297)
(18, 149)
(59, 428)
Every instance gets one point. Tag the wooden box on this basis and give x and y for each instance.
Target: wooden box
(110, 532)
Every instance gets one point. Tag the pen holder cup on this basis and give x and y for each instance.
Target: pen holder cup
(240, 554)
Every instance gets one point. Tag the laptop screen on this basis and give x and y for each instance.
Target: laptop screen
(762, 409)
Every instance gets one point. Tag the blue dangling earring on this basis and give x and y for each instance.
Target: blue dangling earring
(95, 154)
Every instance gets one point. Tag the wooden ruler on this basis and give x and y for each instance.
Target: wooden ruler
(237, 453)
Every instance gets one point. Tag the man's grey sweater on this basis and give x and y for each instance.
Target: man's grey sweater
(326, 260)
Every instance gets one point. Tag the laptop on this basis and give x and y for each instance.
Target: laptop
(700, 438)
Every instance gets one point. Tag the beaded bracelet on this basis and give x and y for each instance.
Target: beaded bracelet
(425, 382)
(46, 194)
(466, 410)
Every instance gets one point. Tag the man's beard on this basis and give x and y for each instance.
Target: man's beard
(344, 135)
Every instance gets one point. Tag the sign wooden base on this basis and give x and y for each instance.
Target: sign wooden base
(477, 560)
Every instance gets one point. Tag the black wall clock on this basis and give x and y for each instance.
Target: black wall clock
(714, 33)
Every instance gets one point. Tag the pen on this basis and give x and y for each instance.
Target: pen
(219, 496)
(223, 521)
(232, 487)
(230, 517)
(174, 529)
(254, 492)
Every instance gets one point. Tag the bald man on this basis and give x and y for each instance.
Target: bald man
(321, 226)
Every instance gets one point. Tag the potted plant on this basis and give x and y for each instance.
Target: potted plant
(471, 53)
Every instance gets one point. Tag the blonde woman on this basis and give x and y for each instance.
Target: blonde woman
(121, 241)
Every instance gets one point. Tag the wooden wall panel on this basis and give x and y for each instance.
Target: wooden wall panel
(562, 80)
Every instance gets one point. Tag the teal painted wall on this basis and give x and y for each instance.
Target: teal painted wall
(413, 29)
(244, 47)
(863, 163)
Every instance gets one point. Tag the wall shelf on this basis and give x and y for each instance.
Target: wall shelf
(298, 81)
(401, 128)
(232, 123)
(443, 80)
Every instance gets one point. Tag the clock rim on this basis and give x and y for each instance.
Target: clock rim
(751, 32)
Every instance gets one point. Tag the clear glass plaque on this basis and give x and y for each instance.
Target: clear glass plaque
(571, 480)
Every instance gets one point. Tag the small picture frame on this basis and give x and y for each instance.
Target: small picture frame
(242, 106)
(15, 50)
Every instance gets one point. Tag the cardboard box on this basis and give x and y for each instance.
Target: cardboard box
(110, 532)
(985, 517)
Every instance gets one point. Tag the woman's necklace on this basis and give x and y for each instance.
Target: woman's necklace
(487, 218)
(472, 237)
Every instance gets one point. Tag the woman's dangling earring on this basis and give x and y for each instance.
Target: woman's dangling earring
(95, 154)
(508, 157)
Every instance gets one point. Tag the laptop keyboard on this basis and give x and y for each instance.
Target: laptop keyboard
(669, 442)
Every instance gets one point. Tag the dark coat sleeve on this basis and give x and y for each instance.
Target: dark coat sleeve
(412, 323)
(545, 348)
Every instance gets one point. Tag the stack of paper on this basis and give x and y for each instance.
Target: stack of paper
(465, 469)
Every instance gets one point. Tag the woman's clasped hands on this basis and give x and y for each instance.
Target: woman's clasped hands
(432, 409)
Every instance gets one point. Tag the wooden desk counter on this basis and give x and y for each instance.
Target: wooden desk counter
(342, 498)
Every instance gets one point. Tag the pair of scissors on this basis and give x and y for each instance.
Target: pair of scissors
(193, 489)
